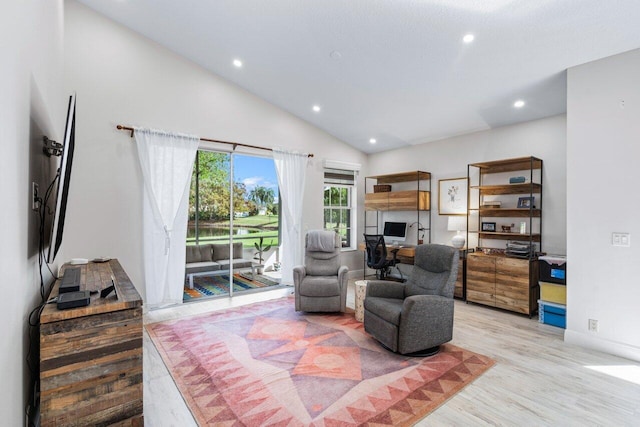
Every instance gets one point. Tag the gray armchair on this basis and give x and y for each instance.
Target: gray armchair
(416, 316)
(321, 284)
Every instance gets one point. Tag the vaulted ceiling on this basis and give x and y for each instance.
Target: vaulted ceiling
(397, 71)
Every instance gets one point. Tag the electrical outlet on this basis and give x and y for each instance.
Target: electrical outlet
(593, 325)
(35, 203)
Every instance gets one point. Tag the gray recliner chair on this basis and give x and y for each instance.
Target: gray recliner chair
(415, 317)
(320, 284)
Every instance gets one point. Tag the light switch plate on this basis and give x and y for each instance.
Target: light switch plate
(621, 239)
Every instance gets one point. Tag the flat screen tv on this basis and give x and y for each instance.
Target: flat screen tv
(63, 177)
(395, 231)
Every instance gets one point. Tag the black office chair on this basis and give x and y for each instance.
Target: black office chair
(377, 257)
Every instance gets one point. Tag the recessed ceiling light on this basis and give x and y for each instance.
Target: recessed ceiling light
(468, 38)
(519, 103)
(237, 63)
(372, 140)
(316, 108)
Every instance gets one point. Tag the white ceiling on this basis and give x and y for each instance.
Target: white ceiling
(393, 70)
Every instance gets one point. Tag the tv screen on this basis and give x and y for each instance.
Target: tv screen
(63, 177)
(395, 231)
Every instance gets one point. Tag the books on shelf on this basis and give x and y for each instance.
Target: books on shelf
(491, 204)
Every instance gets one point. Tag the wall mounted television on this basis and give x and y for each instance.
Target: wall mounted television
(63, 179)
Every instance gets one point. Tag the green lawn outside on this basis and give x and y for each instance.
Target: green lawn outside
(255, 221)
(269, 233)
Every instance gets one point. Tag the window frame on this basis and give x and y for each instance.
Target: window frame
(351, 207)
(232, 158)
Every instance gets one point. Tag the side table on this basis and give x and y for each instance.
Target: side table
(361, 292)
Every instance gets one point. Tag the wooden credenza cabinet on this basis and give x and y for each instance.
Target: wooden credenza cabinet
(499, 281)
(91, 357)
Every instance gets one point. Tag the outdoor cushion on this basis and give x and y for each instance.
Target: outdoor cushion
(199, 253)
(200, 267)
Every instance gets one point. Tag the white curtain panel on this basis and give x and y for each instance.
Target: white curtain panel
(291, 167)
(167, 161)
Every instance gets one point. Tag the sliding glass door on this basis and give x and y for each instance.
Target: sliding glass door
(234, 205)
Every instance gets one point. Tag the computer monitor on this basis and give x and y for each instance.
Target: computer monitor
(394, 231)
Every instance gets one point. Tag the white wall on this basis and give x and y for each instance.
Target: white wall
(123, 78)
(603, 151)
(32, 105)
(448, 158)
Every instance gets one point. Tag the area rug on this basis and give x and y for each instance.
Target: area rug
(216, 285)
(266, 365)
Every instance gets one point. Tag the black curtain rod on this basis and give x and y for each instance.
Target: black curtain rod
(235, 144)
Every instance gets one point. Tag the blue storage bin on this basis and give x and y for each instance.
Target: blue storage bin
(552, 314)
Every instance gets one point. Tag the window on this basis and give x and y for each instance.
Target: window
(255, 200)
(339, 204)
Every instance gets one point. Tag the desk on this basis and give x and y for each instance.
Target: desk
(405, 255)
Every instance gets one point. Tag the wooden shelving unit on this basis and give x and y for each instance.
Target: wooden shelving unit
(418, 200)
(498, 277)
(487, 182)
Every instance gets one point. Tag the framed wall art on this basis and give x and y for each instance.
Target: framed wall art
(452, 196)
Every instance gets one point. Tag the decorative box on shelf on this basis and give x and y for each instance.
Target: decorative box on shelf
(381, 188)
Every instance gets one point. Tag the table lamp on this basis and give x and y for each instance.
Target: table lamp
(457, 223)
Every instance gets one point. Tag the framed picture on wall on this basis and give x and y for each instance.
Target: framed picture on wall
(452, 196)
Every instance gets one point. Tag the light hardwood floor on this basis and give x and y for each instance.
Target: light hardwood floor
(538, 380)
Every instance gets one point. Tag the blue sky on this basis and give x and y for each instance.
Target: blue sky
(255, 171)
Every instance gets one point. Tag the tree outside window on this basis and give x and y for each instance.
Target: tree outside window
(338, 212)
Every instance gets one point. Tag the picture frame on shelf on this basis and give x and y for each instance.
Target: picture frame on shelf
(452, 196)
(526, 202)
(489, 226)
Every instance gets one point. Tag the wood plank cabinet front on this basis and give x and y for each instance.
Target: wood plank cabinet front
(397, 201)
(91, 357)
(481, 279)
(507, 283)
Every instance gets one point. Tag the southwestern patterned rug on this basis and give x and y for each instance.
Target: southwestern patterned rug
(216, 285)
(266, 365)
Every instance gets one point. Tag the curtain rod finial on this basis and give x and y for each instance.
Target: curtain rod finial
(120, 127)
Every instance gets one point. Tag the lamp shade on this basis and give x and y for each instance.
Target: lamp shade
(457, 223)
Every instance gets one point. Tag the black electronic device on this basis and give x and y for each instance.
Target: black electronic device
(73, 300)
(106, 291)
(394, 231)
(70, 280)
(64, 178)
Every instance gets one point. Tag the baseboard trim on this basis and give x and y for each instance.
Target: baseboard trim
(605, 346)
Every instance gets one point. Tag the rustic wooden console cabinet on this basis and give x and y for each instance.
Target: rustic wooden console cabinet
(91, 357)
(499, 281)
